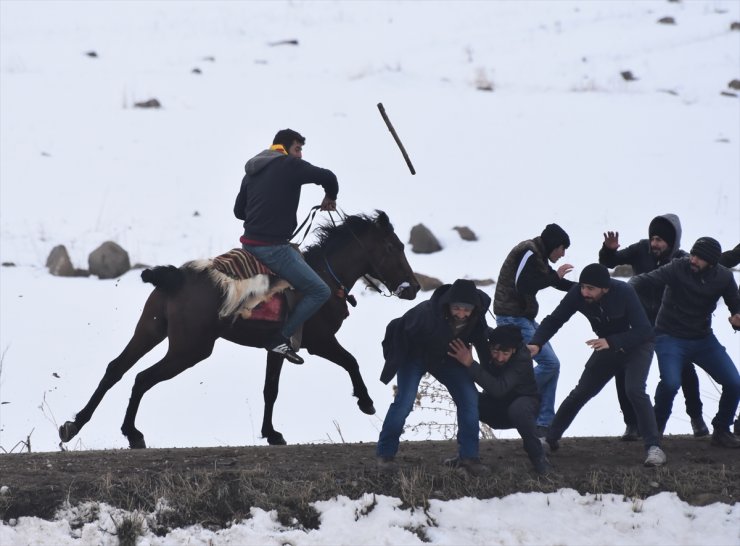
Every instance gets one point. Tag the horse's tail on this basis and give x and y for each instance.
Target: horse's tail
(167, 278)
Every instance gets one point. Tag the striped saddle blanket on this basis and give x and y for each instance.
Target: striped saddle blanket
(240, 264)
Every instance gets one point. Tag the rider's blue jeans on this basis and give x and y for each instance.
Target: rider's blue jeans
(546, 372)
(287, 263)
(460, 386)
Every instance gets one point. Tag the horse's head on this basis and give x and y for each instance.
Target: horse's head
(363, 245)
(387, 259)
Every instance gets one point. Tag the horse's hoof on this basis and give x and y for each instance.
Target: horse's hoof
(276, 439)
(137, 444)
(366, 407)
(68, 431)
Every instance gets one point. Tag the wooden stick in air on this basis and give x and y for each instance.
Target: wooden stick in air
(395, 136)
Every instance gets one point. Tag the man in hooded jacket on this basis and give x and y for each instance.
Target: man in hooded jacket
(693, 287)
(267, 203)
(525, 272)
(662, 246)
(417, 343)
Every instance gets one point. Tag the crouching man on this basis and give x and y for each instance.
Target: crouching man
(624, 342)
(509, 398)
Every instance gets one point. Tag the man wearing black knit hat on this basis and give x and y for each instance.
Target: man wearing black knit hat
(624, 342)
(661, 246)
(525, 272)
(417, 343)
(683, 329)
(509, 398)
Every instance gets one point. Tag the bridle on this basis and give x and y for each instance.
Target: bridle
(350, 299)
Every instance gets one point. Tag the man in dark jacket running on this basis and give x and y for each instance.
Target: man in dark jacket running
(417, 343)
(683, 329)
(525, 272)
(662, 246)
(267, 203)
(624, 342)
(509, 398)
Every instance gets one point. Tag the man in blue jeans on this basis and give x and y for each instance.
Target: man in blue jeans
(693, 286)
(418, 343)
(267, 203)
(525, 272)
(662, 245)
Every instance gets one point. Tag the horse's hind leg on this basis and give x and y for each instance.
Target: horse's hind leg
(174, 362)
(150, 331)
(270, 392)
(331, 350)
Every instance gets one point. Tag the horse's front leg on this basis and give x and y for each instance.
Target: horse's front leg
(270, 392)
(332, 351)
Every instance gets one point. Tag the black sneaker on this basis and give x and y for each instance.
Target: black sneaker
(725, 438)
(542, 431)
(631, 434)
(699, 427)
(282, 346)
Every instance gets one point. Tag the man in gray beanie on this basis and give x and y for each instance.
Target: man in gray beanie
(662, 245)
(683, 329)
(624, 343)
(525, 272)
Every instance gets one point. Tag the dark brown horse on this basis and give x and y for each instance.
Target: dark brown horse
(186, 302)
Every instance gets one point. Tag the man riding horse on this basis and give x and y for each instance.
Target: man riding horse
(267, 203)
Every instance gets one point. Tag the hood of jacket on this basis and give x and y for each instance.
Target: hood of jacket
(462, 291)
(673, 220)
(261, 160)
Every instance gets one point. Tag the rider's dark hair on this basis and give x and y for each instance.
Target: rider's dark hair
(287, 137)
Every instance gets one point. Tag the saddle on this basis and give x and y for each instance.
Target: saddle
(240, 265)
(253, 291)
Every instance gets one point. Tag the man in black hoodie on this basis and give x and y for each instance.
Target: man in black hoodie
(525, 272)
(662, 246)
(624, 342)
(417, 343)
(683, 329)
(267, 203)
(509, 398)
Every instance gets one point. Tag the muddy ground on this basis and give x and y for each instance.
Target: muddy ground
(219, 484)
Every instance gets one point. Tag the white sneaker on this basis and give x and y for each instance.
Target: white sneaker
(655, 457)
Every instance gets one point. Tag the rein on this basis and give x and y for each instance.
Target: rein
(311, 215)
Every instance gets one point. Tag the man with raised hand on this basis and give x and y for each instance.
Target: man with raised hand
(662, 245)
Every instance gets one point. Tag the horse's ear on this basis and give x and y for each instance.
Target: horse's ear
(381, 218)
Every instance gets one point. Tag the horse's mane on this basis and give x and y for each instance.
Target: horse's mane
(330, 236)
